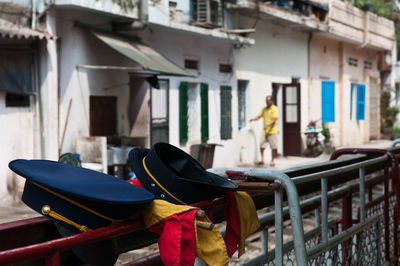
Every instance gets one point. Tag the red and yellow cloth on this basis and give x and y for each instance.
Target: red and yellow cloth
(180, 240)
(242, 221)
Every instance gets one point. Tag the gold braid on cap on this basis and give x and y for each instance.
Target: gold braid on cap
(155, 180)
(46, 210)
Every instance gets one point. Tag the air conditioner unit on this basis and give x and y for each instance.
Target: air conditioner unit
(207, 13)
(385, 61)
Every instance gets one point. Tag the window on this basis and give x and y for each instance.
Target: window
(183, 112)
(352, 61)
(17, 100)
(159, 115)
(191, 64)
(360, 101)
(226, 112)
(204, 111)
(328, 101)
(242, 88)
(368, 65)
(17, 72)
(225, 68)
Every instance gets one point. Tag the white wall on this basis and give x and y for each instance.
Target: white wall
(344, 131)
(17, 142)
(79, 83)
(279, 54)
(177, 47)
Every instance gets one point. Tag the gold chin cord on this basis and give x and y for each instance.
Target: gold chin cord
(46, 210)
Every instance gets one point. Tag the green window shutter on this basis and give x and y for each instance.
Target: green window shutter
(204, 111)
(183, 112)
(226, 112)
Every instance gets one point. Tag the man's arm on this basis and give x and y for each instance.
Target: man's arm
(255, 118)
(271, 123)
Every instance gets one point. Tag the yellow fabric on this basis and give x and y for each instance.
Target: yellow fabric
(268, 114)
(210, 246)
(248, 218)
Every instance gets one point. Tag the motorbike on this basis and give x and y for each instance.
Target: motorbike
(314, 140)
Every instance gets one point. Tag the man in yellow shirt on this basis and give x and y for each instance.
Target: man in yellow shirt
(270, 131)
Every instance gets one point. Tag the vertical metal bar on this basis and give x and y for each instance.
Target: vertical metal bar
(362, 194)
(53, 259)
(347, 221)
(370, 194)
(395, 234)
(278, 228)
(378, 245)
(264, 240)
(386, 214)
(324, 207)
(317, 214)
(292, 199)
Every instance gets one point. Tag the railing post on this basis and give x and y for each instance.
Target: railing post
(362, 194)
(317, 213)
(264, 240)
(278, 228)
(347, 220)
(292, 198)
(386, 214)
(324, 207)
(53, 259)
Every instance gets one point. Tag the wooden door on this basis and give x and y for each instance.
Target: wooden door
(103, 115)
(291, 119)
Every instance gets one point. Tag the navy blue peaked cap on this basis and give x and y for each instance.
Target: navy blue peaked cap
(173, 175)
(85, 197)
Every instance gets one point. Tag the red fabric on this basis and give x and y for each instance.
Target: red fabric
(232, 233)
(177, 242)
(135, 182)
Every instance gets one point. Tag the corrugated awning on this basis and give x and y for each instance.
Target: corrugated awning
(11, 30)
(145, 56)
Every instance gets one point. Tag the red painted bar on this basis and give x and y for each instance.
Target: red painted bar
(386, 214)
(66, 243)
(53, 259)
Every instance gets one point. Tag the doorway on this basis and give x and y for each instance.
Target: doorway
(103, 115)
(291, 111)
(159, 112)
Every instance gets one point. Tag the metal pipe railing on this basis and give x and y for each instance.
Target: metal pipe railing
(51, 249)
(293, 202)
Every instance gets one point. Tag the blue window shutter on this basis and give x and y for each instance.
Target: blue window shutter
(360, 101)
(328, 101)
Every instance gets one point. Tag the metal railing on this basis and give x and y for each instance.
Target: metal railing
(369, 239)
(327, 242)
